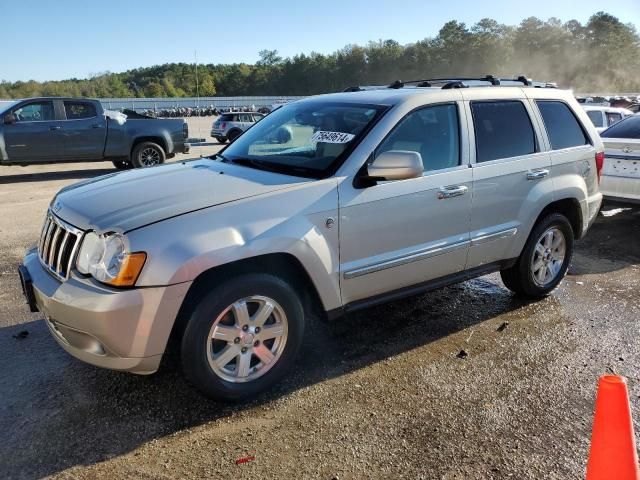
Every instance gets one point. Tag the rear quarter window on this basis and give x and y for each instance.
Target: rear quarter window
(562, 126)
(596, 118)
(503, 130)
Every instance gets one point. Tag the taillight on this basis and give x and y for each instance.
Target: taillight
(599, 163)
(223, 125)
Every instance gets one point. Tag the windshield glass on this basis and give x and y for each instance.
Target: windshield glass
(627, 128)
(307, 139)
(6, 105)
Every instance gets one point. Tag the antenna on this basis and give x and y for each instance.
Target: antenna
(195, 56)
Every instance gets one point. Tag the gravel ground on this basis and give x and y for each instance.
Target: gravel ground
(378, 394)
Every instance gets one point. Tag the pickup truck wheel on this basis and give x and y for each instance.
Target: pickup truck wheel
(242, 337)
(147, 154)
(545, 259)
(122, 164)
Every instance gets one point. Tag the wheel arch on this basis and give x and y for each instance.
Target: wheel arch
(570, 208)
(282, 265)
(155, 139)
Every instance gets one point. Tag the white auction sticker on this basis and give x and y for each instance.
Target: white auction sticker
(332, 137)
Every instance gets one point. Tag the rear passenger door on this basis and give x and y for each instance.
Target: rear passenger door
(508, 164)
(83, 131)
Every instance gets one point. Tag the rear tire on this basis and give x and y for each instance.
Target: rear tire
(221, 139)
(230, 349)
(147, 154)
(544, 260)
(233, 134)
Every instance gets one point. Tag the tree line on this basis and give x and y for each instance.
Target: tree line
(602, 55)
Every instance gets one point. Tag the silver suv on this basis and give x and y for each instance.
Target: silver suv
(378, 194)
(229, 126)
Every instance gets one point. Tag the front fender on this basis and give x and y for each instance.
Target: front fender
(292, 222)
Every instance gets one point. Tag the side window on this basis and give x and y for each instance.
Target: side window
(433, 132)
(563, 128)
(78, 110)
(35, 112)
(503, 130)
(596, 118)
(613, 117)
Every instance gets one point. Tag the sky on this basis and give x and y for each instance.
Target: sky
(55, 40)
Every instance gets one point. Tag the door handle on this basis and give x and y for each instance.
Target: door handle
(55, 127)
(537, 174)
(452, 191)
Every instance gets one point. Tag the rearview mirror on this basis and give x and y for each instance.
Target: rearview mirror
(396, 165)
(10, 119)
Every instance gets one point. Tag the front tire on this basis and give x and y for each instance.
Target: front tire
(122, 164)
(545, 259)
(243, 337)
(147, 154)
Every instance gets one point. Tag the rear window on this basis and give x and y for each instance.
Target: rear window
(79, 110)
(596, 118)
(627, 128)
(562, 126)
(503, 130)
(613, 117)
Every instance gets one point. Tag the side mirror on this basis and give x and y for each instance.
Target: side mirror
(396, 165)
(10, 119)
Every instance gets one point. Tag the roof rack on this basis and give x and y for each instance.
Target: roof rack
(461, 82)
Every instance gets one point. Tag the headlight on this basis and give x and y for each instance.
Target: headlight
(104, 258)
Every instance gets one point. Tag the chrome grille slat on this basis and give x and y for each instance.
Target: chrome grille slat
(61, 250)
(45, 227)
(52, 246)
(58, 246)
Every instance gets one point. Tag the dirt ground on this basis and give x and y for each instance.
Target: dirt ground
(378, 394)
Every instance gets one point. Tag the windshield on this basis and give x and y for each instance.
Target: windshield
(6, 105)
(307, 139)
(627, 128)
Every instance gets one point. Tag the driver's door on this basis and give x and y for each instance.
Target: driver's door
(398, 234)
(36, 134)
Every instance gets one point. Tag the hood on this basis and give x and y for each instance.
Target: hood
(124, 201)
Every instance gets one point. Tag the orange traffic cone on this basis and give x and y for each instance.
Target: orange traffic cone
(613, 453)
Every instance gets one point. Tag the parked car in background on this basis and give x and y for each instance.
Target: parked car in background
(377, 195)
(229, 126)
(621, 171)
(48, 130)
(603, 117)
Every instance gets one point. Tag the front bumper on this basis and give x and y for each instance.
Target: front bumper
(110, 328)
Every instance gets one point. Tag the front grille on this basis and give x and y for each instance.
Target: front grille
(58, 246)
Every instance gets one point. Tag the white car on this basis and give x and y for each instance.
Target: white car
(621, 170)
(603, 117)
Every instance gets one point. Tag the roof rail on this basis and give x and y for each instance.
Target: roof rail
(459, 82)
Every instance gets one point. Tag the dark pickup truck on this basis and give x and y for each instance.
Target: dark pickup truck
(46, 130)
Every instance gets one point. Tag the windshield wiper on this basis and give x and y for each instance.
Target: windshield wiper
(220, 156)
